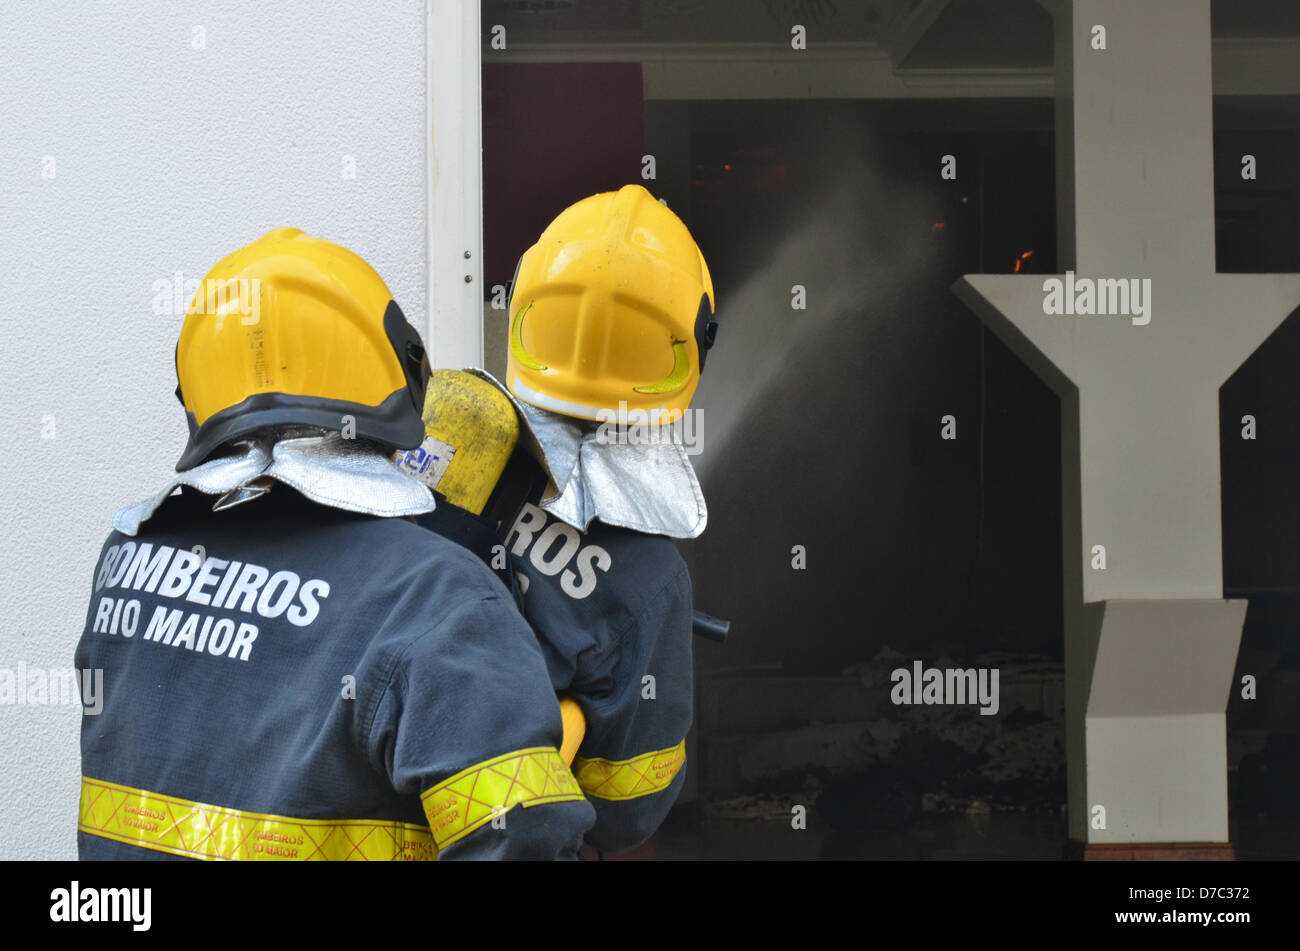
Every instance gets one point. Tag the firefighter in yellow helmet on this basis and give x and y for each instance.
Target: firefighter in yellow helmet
(295, 670)
(611, 319)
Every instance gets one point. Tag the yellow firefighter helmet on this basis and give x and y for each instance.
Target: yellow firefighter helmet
(611, 310)
(296, 330)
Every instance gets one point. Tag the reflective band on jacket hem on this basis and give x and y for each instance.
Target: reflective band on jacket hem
(471, 798)
(631, 778)
(201, 831)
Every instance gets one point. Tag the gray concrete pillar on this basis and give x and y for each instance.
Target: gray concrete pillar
(1150, 642)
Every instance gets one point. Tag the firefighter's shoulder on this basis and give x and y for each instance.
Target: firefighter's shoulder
(436, 565)
(605, 563)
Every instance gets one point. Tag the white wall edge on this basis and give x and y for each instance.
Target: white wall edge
(454, 183)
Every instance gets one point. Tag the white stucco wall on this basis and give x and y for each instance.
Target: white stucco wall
(166, 158)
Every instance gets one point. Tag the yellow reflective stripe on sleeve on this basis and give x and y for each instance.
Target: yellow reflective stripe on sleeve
(201, 831)
(631, 778)
(469, 800)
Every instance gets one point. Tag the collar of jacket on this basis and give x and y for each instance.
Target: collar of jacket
(348, 474)
(649, 488)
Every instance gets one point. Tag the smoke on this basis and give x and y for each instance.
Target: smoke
(861, 242)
